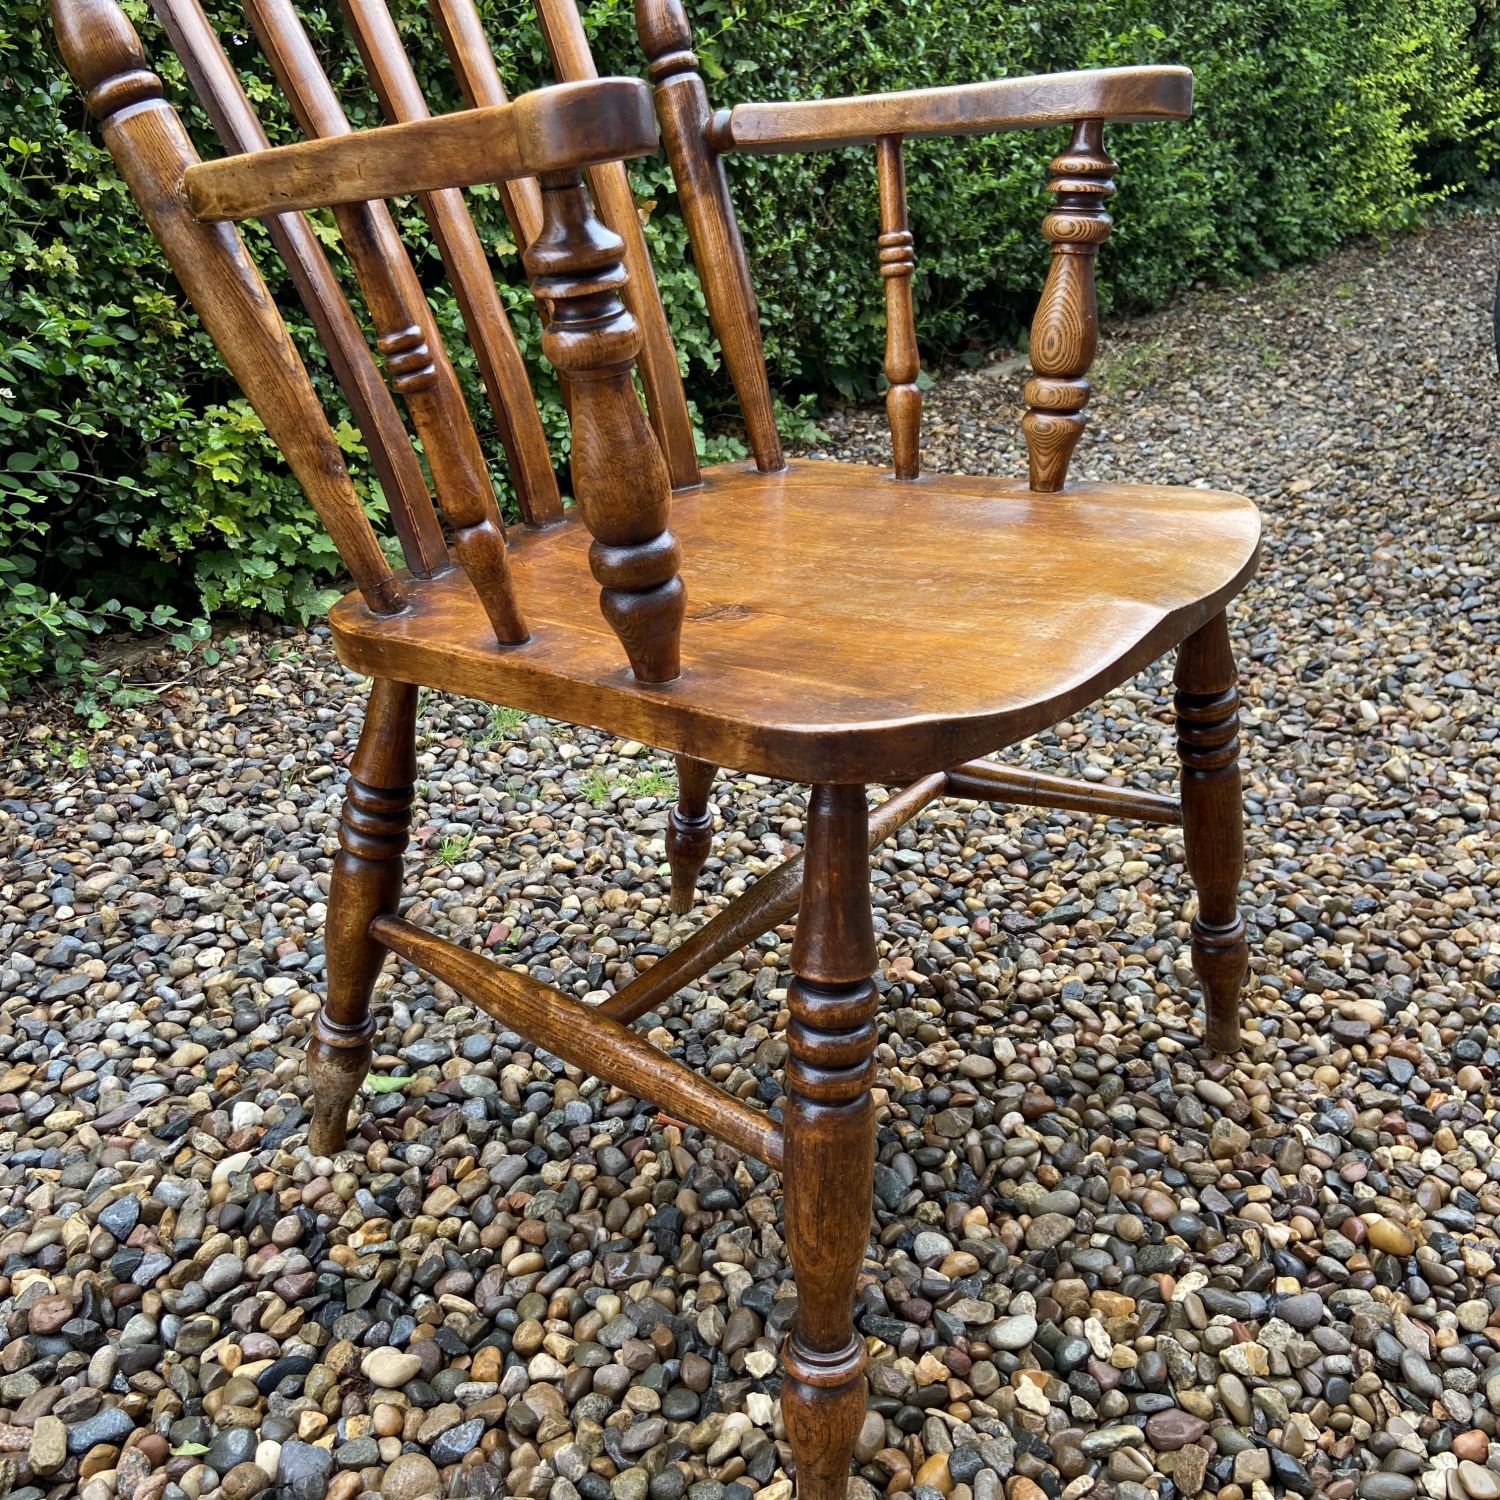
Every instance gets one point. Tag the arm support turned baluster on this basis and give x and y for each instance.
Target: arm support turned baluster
(619, 475)
(903, 399)
(152, 151)
(1065, 332)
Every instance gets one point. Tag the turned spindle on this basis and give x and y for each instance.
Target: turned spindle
(1065, 331)
(830, 1139)
(619, 476)
(1213, 822)
(903, 400)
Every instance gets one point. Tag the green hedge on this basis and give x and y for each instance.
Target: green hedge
(137, 488)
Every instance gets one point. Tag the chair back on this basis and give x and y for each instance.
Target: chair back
(602, 314)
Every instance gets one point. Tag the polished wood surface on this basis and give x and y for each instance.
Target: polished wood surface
(501, 365)
(1150, 93)
(903, 400)
(392, 456)
(478, 77)
(1213, 820)
(829, 1129)
(1065, 331)
(366, 883)
(666, 402)
(578, 1034)
(962, 615)
(547, 130)
(152, 150)
(406, 333)
(828, 623)
(984, 781)
(690, 830)
(703, 192)
(768, 903)
(575, 266)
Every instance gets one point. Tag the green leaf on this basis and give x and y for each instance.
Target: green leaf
(383, 1083)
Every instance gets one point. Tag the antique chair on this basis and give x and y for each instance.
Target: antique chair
(819, 622)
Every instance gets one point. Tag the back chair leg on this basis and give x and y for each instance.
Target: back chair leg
(366, 883)
(830, 1140)
(690, 830)
(1213, 822)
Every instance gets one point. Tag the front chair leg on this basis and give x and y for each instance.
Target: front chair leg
(1213, 821)
(366, 883)
(830, 1140)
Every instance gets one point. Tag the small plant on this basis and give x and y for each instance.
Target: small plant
(453, 848)
(595, 788)
(505, 721)
(654, 783)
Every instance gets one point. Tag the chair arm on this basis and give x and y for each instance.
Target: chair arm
(548, 130)
(1139, 93)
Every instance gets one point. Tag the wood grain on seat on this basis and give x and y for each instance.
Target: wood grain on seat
(844, 626)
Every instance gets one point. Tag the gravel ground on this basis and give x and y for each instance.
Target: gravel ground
(1101, 1265)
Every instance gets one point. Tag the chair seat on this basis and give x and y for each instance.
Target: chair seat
(843, 625)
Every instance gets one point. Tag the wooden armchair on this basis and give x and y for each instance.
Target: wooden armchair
(825, 623)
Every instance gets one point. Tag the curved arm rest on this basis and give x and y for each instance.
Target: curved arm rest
(1160, 93)
(548, 130)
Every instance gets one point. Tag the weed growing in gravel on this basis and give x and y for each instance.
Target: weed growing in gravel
(453, 848)
(654, 783)
(505, 721)
(595, 788)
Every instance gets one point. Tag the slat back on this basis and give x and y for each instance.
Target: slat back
(153, 151)
(239, 129)
(594, 346)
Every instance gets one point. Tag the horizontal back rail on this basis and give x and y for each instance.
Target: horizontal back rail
(1108, 94)
(545, 131)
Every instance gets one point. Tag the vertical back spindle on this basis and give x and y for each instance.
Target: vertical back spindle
(152, 150)
(1065, 331)
(473, 65)
(501, 366)
(405, 333)
(219, 91)
(718, 251)
(619, 476)
(903, 399)
(610, 184)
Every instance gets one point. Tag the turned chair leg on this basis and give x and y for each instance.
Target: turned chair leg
(830, 1140)
(1213, 822)
(690, 830)
(366, 884)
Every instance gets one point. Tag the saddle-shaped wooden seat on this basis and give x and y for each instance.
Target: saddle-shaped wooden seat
(841, 624)
(829, 623)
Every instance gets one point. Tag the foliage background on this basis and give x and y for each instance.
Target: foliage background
(137, 488)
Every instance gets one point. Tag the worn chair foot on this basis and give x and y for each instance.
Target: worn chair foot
(337, 1061)
(366, 884)
(690, 831)
(1213, 823)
